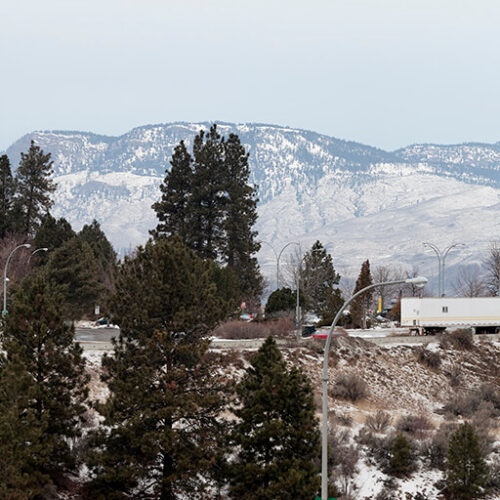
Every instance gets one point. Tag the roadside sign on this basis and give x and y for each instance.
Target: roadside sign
(243, 305)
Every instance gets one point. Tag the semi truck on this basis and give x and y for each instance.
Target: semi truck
(430, 315)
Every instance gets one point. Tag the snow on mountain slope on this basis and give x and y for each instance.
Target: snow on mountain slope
(361, 201)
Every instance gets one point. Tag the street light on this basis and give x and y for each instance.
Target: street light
(298, 315)
(441, 255)
(419, 281)
(4, 312)
(43, 249)
(278, 256)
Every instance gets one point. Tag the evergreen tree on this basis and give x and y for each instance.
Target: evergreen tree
(73, 269)
(51, 234)
(162, 416)
(239, 244)
(103, 251)
(276, 437)
(208, 195)
(172, 209)
(35, 334)
(467, 470)
(167, 287)
(22, 453)
(228, 287)
(400, 460)
(7, 192)
(361, 304)
(34, 188)
(208, 202)
(282, 300)
(319, 283)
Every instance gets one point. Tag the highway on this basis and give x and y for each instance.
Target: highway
(99, 339)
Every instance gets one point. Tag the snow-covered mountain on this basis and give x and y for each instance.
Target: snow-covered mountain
(361, 202)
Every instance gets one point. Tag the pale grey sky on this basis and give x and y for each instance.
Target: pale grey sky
(386, 73)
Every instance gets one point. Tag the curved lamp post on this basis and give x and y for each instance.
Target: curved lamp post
(43, 249)
(441, 255)
(419, 281)
(278, 256)
(25, 245)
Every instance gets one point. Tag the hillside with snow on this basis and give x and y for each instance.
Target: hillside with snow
(359, 201)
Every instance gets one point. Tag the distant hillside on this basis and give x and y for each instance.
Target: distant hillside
(362, 201)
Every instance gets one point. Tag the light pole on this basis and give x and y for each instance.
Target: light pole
(42, 249)
(441, 255)
(298, 315)
(278, 256)
(4, 312)
(419, 281)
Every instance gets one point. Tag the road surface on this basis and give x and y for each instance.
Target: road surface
(99, 339)
(95, 334)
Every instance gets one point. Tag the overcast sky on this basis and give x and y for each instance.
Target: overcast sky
(383, 72)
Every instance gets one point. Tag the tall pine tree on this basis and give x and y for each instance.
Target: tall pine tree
(361, 304)
(319, 283)
(7, 192)
(239, 243)
(103, 251)
(162, 418)
(276, 436)
(207, 201)
(172, 209)
(22, 451)
(208, 195)
(73, 270)
(51, 234)
(35, 334)
(34, 188)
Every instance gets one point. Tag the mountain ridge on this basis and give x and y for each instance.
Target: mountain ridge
(307, 182)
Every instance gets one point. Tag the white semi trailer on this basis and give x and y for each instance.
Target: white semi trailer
(430, 315)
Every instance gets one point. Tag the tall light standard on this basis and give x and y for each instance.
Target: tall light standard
(419, 281)
(441, 255)
(42, 249)
(298, 315)
(4, 312)
(278, 256)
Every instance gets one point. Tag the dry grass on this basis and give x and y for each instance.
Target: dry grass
(254, 329)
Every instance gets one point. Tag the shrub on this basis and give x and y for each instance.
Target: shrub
(388, 492)
(493, 481)
(459, 339)
(490, 394)
(455, 375)
(415, 425)
(280, 327)
(344, 419)
(349, 386)
(435, 449)
(428, 358)
(378, 422)
(254, 329)
(484, 401)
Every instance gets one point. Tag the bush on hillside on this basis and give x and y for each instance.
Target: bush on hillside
(349, 386)
(429, 358)
(459, 339)
(254, 329)
(378, 422)
(415, 425)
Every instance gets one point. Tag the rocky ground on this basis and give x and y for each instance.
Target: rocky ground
(422, 391)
